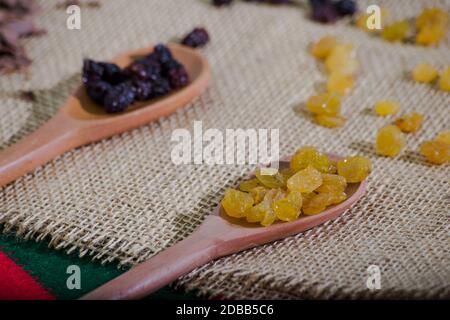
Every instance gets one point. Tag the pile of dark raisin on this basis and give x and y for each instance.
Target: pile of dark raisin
(152, 76)
(324, 11)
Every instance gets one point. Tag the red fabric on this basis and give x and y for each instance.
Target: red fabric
(16, 284)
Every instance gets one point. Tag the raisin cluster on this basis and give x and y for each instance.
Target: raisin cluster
(311, 184)
(152, 76)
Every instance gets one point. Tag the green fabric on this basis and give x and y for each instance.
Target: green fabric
(49, 267)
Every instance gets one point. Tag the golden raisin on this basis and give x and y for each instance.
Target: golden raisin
(306, 180)
(330, 121)
(432, 26)
(432, 16)
(444, 136)
(332, 183)
(322, 48)
(295, 198)
(342, 60)
(258, 212)
(325, 103)
(248, 185)
(397, 31)
(424, 73)
(236, 203)
(285, 210)
(340, 84)
(354, 169)
(390, 141)
(319, 202)
(309, 156)
(386, 107)
(436, 152)
(258, 194)
(409, 122)
(275, 180)
(444, 81)
(430, 35)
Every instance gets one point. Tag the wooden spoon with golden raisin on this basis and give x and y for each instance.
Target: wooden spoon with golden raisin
(219, 235)
(80, 121)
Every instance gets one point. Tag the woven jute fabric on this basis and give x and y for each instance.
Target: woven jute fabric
(122, 199)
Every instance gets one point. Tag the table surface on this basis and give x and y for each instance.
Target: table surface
(49, 266)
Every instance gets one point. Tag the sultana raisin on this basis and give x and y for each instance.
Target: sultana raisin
(236, 203)
(390, 141)
(309, 156)
(306, 180)
(354, 169)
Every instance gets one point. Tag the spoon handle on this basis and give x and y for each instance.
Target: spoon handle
(49, 141)
(159, 270)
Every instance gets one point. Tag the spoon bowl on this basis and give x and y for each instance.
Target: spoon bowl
(81, 121)
(219, 235)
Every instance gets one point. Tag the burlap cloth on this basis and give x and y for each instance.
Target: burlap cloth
(122, 199)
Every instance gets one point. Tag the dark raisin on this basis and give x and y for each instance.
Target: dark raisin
(97, 90)
(137, 70)
(346, 7)
(92, 70)
(196, 38)
(96, 71)
(219, 3)
(160, 87)
(153, 69)
(112, 73)
(160, 53)
(119, 97)
(279, 1)
(323, 11)
(176, 74)
(142, 90)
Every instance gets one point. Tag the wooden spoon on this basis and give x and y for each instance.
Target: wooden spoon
(80, 121)
(219, 235)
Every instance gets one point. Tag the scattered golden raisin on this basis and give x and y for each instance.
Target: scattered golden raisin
(342, 60)
(330, 121)
(444, 136)
(386, 107)
(444, 81)
(324, 104)
(424, 73)
(340, 84)
(436, 151)
(409, 122)
(390, 141)
(398, 31)
(322, 48)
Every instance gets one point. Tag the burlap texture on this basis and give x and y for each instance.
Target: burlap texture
(123, 199)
